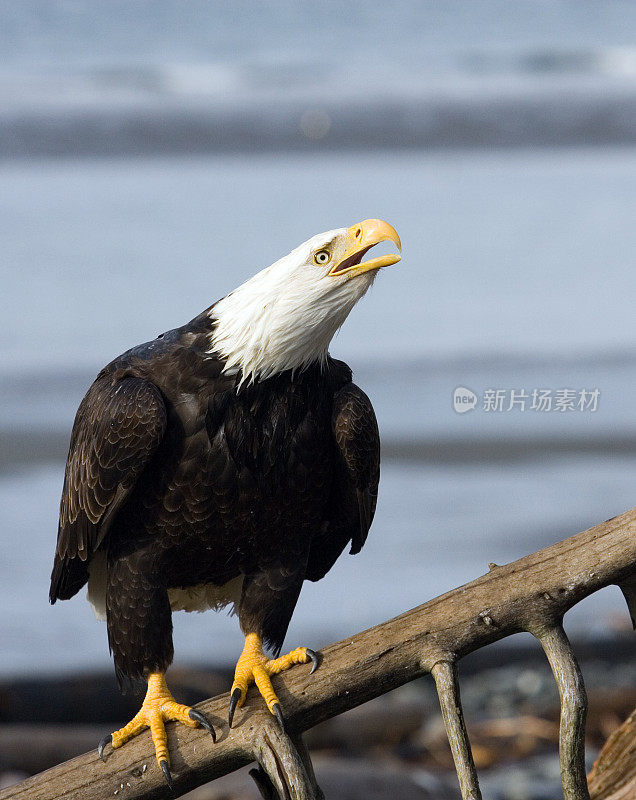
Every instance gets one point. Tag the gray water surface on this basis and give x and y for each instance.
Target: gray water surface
(517, 272)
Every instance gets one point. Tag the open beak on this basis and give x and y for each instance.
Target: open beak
(363, 237)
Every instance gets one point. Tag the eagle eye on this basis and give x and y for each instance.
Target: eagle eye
(322, 257)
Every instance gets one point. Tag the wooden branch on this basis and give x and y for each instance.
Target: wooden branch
(280, 760)
(613, 776)
(628, 587)
(445, 675)
(568, 677)
(531, 594)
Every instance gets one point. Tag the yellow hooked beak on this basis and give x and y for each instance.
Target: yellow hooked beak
(363, 237)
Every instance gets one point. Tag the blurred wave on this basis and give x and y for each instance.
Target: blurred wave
(84, 78)
(553, 99)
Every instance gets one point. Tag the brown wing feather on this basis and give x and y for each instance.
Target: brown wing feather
(356, 479)
(117, 428)
(356, 432)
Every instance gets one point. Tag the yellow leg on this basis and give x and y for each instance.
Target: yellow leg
(158, 707)
(253, 666)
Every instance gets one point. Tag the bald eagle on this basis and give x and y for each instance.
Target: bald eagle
(224, 462)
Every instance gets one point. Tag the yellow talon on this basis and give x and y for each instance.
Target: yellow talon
(253, 666)
(158, 707)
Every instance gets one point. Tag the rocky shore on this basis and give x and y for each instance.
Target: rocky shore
(393, 747)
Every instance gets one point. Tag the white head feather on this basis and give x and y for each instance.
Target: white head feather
(286, 315)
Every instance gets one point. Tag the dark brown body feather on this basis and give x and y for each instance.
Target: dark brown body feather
(181, 480)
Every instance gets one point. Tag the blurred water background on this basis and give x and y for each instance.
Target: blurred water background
(153, 155)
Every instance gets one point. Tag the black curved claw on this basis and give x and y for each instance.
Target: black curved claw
(166, 774)
(236, 696)
(108, 739)
(315, 659)
(279, 716)
(204, 722)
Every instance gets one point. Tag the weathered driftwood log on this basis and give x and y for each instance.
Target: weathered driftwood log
(614, 774)
(531, 594)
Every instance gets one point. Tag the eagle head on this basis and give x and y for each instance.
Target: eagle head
(285, 316)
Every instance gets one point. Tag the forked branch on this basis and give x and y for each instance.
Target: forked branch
(531, 594)
(445, 675)
(568, 677)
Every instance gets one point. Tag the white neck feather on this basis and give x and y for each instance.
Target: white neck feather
(283, 318)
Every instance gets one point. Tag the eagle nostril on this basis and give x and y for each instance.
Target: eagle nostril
(358, 233)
